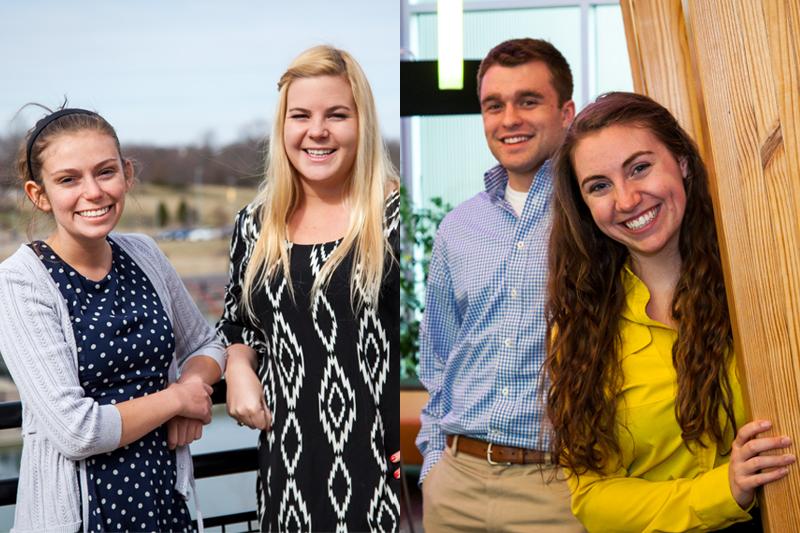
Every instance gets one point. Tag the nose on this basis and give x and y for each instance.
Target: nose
(627, 197)
(91, 189)
(317, 129)
(510, 117)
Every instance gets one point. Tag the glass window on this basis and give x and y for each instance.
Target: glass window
(609, 66)
(484, 29)
(449, 153)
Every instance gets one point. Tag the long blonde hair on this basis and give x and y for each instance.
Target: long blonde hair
(372, 175)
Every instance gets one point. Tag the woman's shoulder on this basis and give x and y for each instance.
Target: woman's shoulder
(392, 195)
(248, 219)
(23, 272)
(20, 261)
(392, 206)
(134, 239)
(136, 244)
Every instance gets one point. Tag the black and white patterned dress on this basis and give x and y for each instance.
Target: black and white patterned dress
(331, 379)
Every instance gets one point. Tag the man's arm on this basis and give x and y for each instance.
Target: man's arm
(438, 332)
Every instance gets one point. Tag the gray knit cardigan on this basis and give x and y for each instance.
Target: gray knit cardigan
(60, 426)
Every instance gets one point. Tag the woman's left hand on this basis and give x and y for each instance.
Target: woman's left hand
(182, 431)
(751, 464)
(395, 458)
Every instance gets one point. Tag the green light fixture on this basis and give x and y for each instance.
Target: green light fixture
(450, 27)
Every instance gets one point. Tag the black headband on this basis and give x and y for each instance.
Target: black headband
(44, 122)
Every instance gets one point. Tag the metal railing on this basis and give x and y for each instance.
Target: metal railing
(205, 465)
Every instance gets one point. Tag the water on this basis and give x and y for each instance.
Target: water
(218, 495)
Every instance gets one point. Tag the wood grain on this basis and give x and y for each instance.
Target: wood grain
(660, 63)
(747, 62)
(740, 65)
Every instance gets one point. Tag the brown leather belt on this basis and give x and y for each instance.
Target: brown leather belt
(496, 454)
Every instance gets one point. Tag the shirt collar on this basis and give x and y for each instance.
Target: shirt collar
(496, 178)
(637, 296)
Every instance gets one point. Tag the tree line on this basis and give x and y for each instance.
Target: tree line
(240, 162)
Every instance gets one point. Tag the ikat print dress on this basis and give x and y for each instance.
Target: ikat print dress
(331, 379)
(125, 347)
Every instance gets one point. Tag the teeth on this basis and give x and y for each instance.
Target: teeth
(94, 212)
(515, 140)
(319, 152)
(642, 220)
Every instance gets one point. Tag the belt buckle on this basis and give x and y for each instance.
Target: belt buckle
(489, 457)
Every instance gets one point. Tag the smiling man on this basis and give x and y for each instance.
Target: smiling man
(484, 436)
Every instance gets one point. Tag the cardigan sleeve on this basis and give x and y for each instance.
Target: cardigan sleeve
(618, 503)
(35, 345)
(194, 336)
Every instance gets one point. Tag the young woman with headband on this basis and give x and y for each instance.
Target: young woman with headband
(312, 312)
(95, 328)
(645, 399)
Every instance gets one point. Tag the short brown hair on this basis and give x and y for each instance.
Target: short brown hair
(520, 51)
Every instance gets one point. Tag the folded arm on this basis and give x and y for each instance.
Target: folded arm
(37, 344)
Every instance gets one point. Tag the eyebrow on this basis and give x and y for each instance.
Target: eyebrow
(625, 163)
(75, 170)
(518, 95)
(330, 109)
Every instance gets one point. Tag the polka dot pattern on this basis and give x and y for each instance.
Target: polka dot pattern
(125, 347)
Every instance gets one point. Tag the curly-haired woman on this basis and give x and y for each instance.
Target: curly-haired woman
(645, 400)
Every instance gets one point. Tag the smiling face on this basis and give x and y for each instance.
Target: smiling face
(634, 188)
(522, 119)
(84, 183)
(320, 132)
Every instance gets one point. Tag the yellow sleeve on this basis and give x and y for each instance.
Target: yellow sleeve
(617, 503)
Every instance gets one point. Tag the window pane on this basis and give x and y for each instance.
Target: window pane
(609, 65)
(450, 153)
(485, 29)
(453, 155)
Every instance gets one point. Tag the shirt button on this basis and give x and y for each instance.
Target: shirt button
(505, 391)
(520, 245)
(507, 343)
(513, 293)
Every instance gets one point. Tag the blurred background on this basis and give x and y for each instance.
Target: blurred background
(190, 86)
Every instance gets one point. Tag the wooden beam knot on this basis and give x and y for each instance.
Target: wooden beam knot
(771, 144)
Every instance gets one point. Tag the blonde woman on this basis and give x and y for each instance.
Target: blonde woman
(311, 315)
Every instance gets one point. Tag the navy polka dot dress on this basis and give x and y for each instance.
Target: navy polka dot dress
(125, 347)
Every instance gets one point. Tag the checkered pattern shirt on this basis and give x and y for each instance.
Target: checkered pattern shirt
(482, 340)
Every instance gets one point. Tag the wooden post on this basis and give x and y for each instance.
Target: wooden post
(740, 62)
(660, 65)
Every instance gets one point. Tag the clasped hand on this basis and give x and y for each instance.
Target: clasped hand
(246, 401)
(194, 397)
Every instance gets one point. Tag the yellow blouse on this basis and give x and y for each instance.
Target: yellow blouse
(661, 485)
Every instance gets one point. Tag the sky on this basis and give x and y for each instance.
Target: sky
(178, 72)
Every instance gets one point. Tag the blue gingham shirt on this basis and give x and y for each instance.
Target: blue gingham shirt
(482, 340)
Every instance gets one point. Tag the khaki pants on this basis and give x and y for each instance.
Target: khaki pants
(463, 493)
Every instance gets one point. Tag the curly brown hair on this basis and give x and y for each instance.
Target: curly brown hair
(586, 298)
